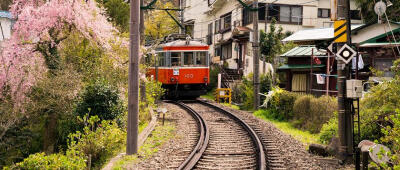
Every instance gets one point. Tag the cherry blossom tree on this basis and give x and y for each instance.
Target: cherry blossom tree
(33, 49)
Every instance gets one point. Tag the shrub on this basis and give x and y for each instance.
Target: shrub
(98, 142)
(101, 99)
(265, 83)
(329, 130)
(282, 101)
(72, 160)
(214, 70)
(301, 111)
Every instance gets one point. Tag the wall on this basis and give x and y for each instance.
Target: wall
(6, 26)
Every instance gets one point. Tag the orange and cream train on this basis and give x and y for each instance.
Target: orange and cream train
(182, 66)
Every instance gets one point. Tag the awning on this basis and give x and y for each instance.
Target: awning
(379, 45)
(303, 51)
(299, 66)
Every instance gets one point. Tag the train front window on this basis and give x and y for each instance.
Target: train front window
(188, 59)
(201, 58)
(175, 59)
(161, 59)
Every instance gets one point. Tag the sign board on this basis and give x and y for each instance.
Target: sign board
(176, 72)
(346, 53)
(340, 31)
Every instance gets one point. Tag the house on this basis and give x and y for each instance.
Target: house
(6, 22)
(226, 25)
(377, 43)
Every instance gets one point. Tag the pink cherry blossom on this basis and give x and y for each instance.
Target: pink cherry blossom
(21, 65)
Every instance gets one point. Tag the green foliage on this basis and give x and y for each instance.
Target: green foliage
(98, 142)
(214, 71)
(368, 13)
(72, 160)
(392, 136)
(282, 102)
(304, 136)
(329, 130)
(118, 12)
(265, 83)
(271, 44)
(102, 99)
(159, 136)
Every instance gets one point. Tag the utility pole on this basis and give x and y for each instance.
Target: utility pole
(182, 30)
(133, 80)
(256, 60)
(345, 119)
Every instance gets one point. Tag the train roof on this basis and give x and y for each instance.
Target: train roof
(184, 45)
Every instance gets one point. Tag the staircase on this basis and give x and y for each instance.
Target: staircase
(229, 76)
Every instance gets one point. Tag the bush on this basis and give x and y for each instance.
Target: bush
(101, 99)
(72, 160)
(329, 130)
(282, 102)
(99, 142)
(214, 70)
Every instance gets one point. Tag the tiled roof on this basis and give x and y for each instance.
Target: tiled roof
(5, 14)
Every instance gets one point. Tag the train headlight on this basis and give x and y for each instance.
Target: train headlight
(172, 79)
(205, 79)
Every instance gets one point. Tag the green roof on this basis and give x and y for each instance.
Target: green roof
(303, 51)
(299, 66)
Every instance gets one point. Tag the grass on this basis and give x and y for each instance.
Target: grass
(209, 95)
(231, 106)
(304, 136)
(159, 136)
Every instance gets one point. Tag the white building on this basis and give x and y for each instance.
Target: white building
(6, 22)
(226, 25)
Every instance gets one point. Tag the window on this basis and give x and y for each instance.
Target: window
(324, 13)
(226, 22)
(188, 59)
(209, 35)
(282, 13)
(161, 60)
(189, 29)
(176, 59)
(355, 14)
(261, 11)
(217, 25)
(201, 58)
(247, 16)
(217, 51)
(226, 51)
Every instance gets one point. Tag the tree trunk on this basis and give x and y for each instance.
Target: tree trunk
(50, 133)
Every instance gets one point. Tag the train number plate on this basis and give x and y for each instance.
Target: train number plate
(176, 72)
(189, 76)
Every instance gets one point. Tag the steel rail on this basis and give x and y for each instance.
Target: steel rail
(261, 161)
(202, 143)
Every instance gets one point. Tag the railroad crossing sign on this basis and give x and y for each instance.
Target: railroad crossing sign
(346, 53)
(340, 34)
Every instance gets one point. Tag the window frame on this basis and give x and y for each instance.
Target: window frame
(320, 12)
(222, 23)
(355, 17)
(247, 15)
(210, 33)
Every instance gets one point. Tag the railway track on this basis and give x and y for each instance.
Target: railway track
(225, 141)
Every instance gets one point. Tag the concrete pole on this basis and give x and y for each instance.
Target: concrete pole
(256, 60)
(133, 80)
(219, 80)
(345, 119)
